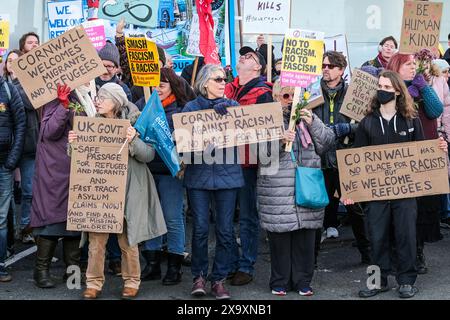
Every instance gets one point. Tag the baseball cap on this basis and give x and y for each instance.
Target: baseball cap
(244, 50)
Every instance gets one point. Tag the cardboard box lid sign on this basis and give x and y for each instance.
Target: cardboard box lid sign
(69, 59)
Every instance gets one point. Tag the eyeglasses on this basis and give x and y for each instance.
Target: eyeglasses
(109, 67)
(287, 96)
(329, 66)
(99, 99)
(248, 56)
(219, 79)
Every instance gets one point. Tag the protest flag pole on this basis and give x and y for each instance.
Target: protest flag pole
(269, 58)
(194, 72)
(146, 93)
(295, 100)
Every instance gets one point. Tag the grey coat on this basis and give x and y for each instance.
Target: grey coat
(276, 191)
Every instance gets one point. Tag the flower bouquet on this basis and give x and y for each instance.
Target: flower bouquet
(300, 106)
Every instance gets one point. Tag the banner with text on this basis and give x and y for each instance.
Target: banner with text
(138, 12)
(194, 131)
(98, 176)
(4, 36)
(95, 29)
(69, 59)
(266, 17)
(64, 15)
(144, 61)
(302, 58)
(359, 95)
(393, 171)
(421, 26)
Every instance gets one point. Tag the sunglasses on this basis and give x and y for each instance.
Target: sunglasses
(219, 79)
(287, 96)
(329, 66)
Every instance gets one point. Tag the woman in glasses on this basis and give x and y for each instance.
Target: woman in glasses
(143, 218)
(206, 180)
(386, 49)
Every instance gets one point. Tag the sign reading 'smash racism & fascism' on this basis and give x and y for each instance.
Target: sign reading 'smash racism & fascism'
(194, 131)
(302, 58)
(69, 59)
(144, 61)
(362, 89)
(393, 171)
(421, 26)
(98, 175)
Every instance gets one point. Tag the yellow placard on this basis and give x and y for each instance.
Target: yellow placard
(303, 55)
(4, 34)
(144, 61)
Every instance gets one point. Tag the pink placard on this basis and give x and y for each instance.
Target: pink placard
(97, 36)
(295, 79)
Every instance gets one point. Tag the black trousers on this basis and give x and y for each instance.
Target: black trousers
(355, 212)
(292, 259)
(402, 215)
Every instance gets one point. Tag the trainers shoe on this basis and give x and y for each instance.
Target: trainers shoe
(4, 275)
(306, 292)
(199, 287)
(407, 291)
(27, 239)
(332, 233)
(218, 290)
(279, 292)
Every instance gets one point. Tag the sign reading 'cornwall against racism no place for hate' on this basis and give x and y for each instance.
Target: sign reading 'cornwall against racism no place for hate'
(394, 171)
(194, 131)
(98, 176)
(266, 17)
(69, 59)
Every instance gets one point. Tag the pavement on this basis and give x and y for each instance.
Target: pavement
(339, 276)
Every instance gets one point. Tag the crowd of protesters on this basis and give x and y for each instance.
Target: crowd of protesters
(35, 149)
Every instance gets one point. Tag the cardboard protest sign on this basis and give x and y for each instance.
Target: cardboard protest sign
(359, 95)
(266, 17)
(302, 58)
(63, 15)
(144, 61)
(95, 30)
(339, 43)
(98, 176)
(138, 12)
(421, 26)
(69, 59)
(194, 131)
(393, 171)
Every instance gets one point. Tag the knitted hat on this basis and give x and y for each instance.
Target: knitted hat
(371, 70)
(111, 53)
(441, 64)
(115, 92)
(162, 55)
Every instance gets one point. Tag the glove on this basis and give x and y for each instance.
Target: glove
(63, 95)
(414, 91)
(221, 108)
(342, 129)
(419, 81)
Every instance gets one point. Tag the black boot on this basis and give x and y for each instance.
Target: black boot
(72, 253)
(420, 261)
(173, 275)
(152, 270)
(44, 255)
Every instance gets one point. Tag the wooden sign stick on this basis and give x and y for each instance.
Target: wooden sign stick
(194, 72)
(295, 100)
(146, 93)
(269, 58)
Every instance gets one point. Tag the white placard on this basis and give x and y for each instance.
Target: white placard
(266, 17)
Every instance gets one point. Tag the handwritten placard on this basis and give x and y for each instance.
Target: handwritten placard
(144, 61)
(63, 15)
(194, 131)
(69, 59)
(266, 17)
(360, 93)
(393, 171)
(98, 176)
(421, 26)
(302, 58)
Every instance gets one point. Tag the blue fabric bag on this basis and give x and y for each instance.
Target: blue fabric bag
(310, 190)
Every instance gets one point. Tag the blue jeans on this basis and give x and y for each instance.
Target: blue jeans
(225, 200)
(6, 193)
(248, 225)
(26, 166)
(170, 191)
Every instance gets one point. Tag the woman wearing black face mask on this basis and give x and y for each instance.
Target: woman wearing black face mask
(392, 118)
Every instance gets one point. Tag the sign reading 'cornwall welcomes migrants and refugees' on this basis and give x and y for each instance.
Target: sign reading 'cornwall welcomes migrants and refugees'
(69, 59)
(421, 26)
(98, 175)
(194, 131)
(302, 58)
(393, 171)
(359, 95)
(144, 61)
(266, 17)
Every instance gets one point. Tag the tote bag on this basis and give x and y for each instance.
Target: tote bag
(310, 190)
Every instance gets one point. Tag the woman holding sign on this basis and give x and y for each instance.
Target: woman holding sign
(143, 214)
(392, 118)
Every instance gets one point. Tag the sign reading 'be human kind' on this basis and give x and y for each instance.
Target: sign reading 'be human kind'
(266, 17)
